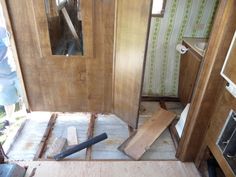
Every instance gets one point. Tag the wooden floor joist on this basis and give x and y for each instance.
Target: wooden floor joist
(43, 142)
(90, 135)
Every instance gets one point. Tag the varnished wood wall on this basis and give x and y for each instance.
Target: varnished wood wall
(131, 34)
(63, 83)
(225, 103)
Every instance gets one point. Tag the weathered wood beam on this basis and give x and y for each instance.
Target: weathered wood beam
(46, 135)
(90, 135)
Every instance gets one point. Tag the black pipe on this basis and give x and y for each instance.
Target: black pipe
(80, 146)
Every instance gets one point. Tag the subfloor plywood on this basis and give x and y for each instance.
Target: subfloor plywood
(78, 120)
(117, 132)
(162, 149)
(110, 169)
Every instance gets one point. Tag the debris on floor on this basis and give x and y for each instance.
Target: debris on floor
(142, 139)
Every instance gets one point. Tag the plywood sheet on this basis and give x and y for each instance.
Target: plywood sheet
(110, 169)
(117, 132)
(60, 83)
(148, 133)
(72, 138)
(132, 19)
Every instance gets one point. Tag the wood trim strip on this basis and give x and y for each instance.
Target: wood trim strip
(45, 137)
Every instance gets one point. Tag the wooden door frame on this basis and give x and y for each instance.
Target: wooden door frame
(208, 85)
(14, 52)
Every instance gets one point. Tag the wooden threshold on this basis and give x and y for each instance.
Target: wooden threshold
(110, 168)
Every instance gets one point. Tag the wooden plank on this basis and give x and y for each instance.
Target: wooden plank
(56, 147)
(90, 135)
(60, 83)
(172, 129)
(132, 20)
(111, 168)
(69, 23)
(148, 133)
(72, 138)
(43, 142)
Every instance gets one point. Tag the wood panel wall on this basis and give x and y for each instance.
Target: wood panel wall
(210, 82)
(224, 104)
(59, 83)
(132, 18)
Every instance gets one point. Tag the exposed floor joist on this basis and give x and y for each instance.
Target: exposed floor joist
(90, 135)
(46, 135)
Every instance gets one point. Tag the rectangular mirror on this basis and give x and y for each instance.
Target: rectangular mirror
(65, 27)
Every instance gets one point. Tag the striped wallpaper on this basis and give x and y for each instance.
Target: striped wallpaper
(182, 18)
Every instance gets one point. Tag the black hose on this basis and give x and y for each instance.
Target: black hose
(80, 146)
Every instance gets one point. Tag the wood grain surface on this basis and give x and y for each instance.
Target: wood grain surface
(110, 169)
(60, 83)
(189, 69)
(148, 133)
(210, 83)
(132, 19)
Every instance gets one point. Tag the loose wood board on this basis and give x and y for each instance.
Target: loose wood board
(144, 137)
(56, 147)
(72, 136)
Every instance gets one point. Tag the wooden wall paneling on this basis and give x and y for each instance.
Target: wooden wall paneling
(26, 38)
(224, 104)
(189, 69)
(15, 55)
(132, 20)
(209, 83)
(87, 13)
(99, 69)
(60, 83)
(231, 65)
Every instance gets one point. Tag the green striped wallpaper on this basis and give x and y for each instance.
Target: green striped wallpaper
(182, 18)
